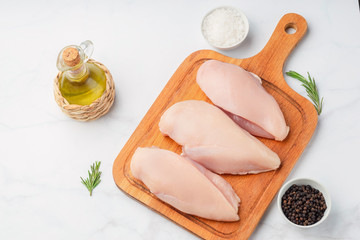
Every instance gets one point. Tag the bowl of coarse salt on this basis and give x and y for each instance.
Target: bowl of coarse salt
(225, 27)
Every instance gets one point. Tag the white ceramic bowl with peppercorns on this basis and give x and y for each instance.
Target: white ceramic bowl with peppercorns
(304, 205)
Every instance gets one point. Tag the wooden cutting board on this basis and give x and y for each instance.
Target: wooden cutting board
(256, 191)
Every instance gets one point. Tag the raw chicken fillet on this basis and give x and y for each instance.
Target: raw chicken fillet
(240, 94)
(212, 139)
(185, 185)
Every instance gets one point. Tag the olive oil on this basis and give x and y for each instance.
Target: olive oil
(85, 89)
(80, 82)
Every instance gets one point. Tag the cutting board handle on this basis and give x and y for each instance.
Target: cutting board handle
(281, 42)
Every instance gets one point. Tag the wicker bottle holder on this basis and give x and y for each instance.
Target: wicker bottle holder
(97, 108)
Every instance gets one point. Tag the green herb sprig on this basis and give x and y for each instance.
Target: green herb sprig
(94, 177)
(311, 89)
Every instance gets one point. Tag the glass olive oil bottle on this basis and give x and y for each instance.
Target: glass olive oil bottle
(81, 82)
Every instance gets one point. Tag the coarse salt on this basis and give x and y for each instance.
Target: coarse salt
(225, 27)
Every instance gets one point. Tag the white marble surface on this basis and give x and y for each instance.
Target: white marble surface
(43, 152)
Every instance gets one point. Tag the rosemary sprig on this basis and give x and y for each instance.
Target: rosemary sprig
(94, 177)
(311, 89)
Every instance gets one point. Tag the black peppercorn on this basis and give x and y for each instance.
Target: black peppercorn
(303, 205)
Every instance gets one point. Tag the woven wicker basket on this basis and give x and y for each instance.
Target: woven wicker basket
(88, 112)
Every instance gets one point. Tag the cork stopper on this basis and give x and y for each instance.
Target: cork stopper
(71, 56)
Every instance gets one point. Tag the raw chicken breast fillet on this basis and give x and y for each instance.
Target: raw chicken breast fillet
(243, 98)
(212, 139)
(185, 185)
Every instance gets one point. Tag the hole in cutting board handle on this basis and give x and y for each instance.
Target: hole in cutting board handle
(290, 28)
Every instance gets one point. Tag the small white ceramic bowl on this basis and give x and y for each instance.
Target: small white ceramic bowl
(237, 43)
(312, 183)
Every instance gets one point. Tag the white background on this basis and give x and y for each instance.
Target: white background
(43, 152)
